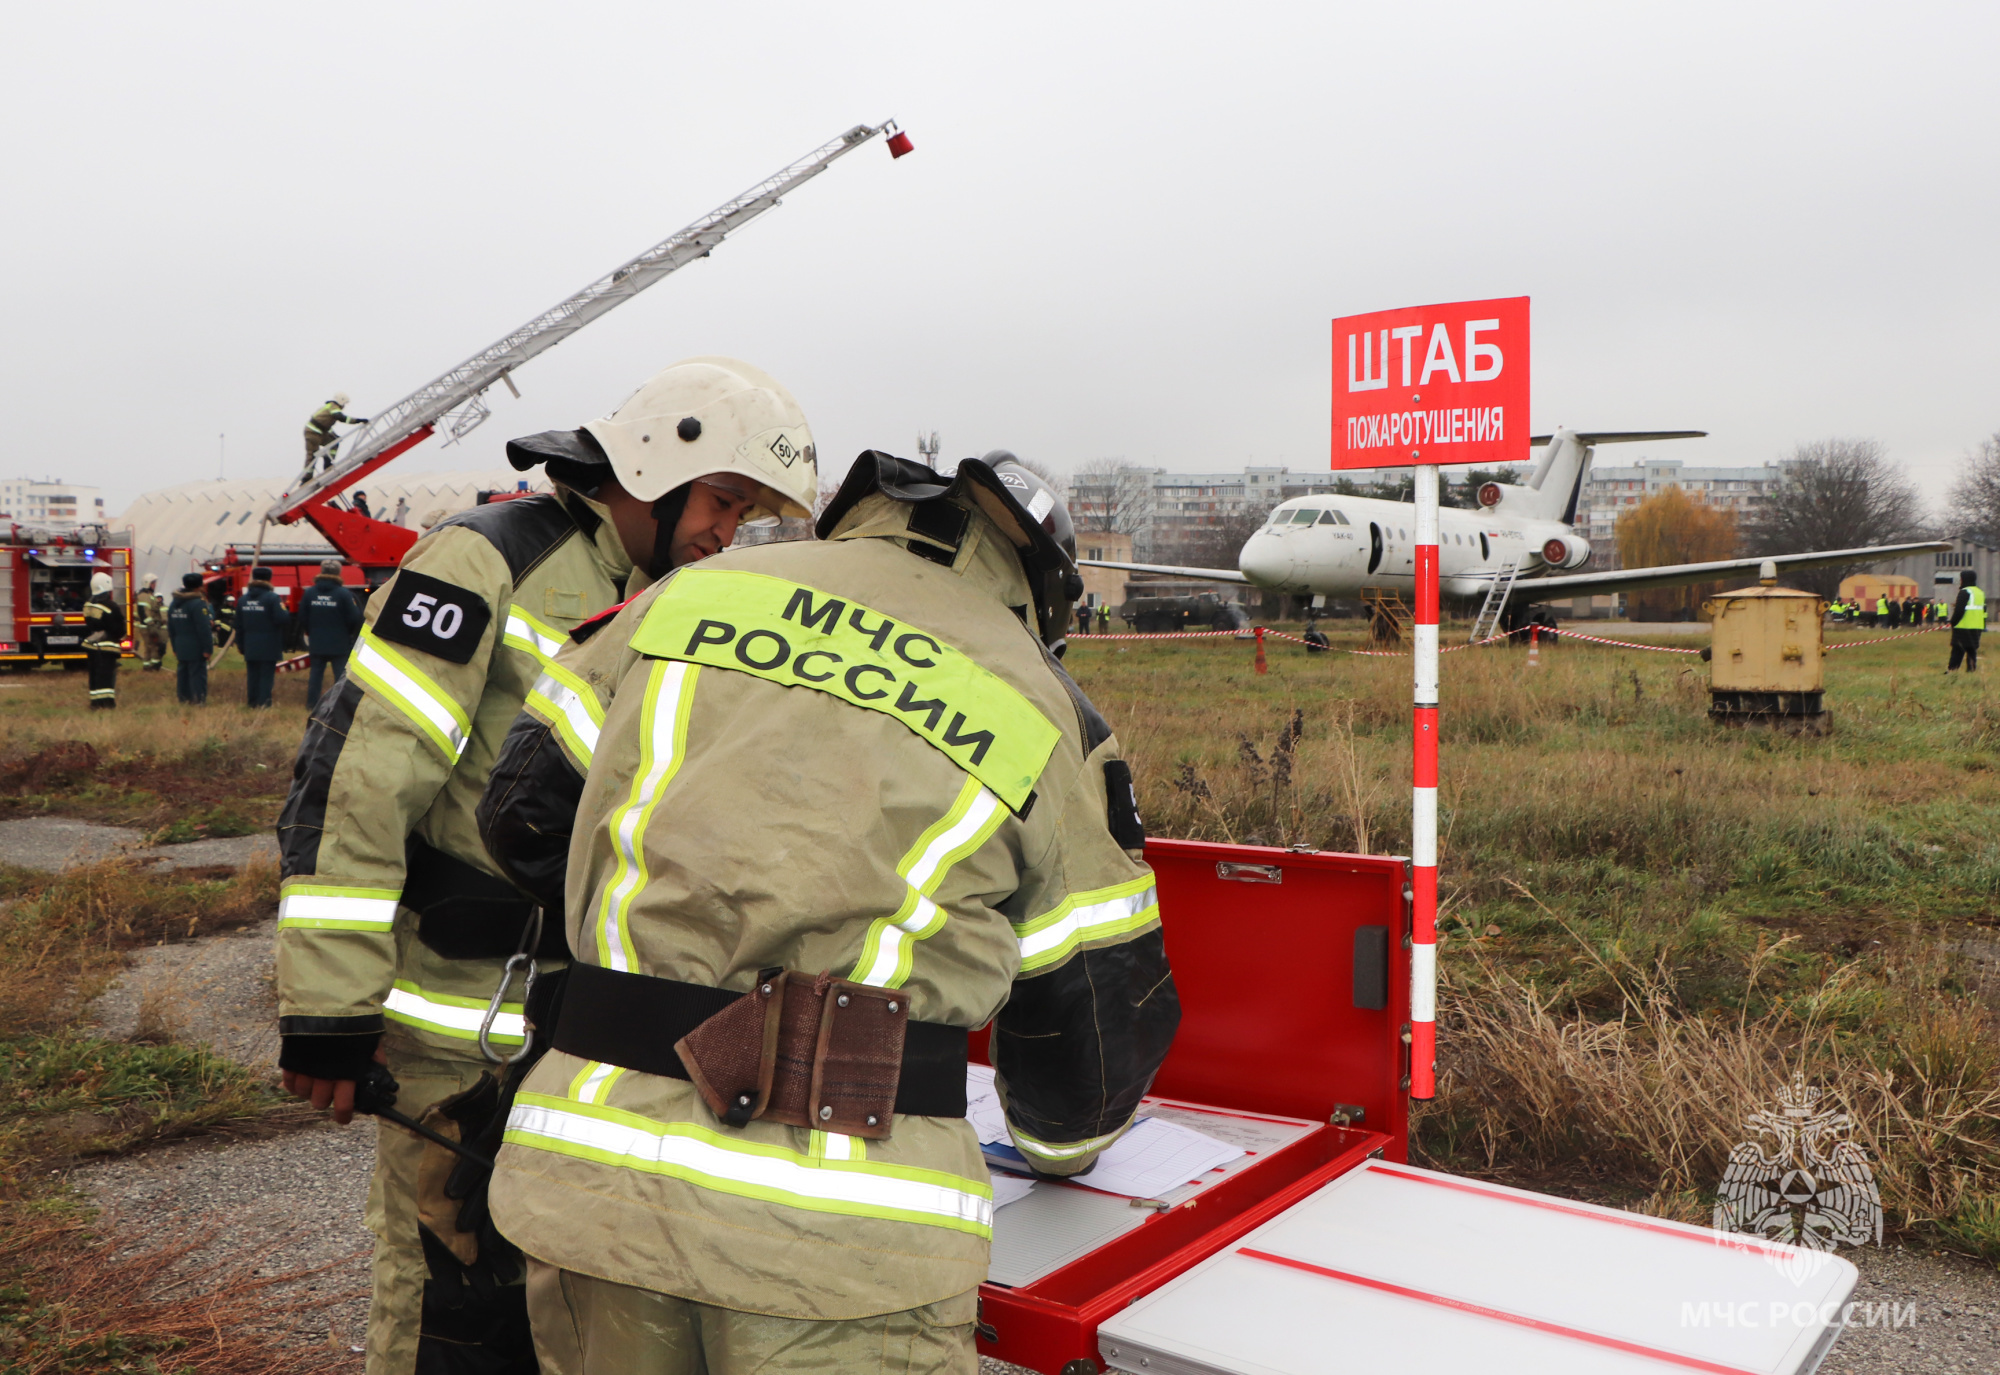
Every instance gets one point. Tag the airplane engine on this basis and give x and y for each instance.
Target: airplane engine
(1566, 551)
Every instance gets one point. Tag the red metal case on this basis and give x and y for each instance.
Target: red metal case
(1294, 984)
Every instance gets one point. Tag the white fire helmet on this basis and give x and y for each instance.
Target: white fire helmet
(713, 415)
(340, 399)
(152, 580)
(100, 582)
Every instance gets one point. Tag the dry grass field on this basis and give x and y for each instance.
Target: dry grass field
(74, 1296)
(1649, 924)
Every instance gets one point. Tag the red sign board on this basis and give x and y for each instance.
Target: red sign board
(1432, 384)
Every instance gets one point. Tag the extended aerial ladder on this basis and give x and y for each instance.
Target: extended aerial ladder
(456, 401)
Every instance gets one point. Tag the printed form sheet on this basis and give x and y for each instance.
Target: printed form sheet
(1171, 1153)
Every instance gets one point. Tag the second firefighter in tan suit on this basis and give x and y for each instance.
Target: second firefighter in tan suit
(834, 805)
(150, 629)
(394, 925)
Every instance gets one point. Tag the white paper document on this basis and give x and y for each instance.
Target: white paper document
(1157, 1156)
(982, 1106)
(1009, 1188)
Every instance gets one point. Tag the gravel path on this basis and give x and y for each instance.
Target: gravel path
(53, 843)
(295, 1201)
(1949, 1306)
(217, 989)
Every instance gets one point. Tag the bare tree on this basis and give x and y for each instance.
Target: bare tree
(1214, 546)
(1975, 497)
(1111, 496)
(1835, 494)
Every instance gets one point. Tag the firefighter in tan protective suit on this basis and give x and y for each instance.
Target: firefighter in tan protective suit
(151, 629)
(819, 809)
(319, 431)
(394, 924)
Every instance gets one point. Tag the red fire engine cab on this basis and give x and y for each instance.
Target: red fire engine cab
(46, 580)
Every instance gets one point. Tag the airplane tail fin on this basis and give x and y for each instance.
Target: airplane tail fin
(1555, 486)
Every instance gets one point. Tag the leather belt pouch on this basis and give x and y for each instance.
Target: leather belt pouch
(807, 1052)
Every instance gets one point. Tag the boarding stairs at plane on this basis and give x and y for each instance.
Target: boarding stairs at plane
(1487, 622)
(1389, 619)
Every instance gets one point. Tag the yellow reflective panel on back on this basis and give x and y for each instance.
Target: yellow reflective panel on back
(799, 636)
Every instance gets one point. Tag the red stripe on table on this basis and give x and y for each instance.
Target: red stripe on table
(1732, 1241)
(1556, 1329)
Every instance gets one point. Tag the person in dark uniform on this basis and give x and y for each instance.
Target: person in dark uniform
(104, 622)
(261, 620)
(332, 620)
(191, 630)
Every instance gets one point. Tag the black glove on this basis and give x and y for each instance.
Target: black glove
(331, 1057)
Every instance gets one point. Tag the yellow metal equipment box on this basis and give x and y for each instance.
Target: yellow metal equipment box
(1765, 663)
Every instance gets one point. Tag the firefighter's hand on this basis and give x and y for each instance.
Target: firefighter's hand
(337, 1094)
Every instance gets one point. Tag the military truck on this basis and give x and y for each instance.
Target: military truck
(1206, 611)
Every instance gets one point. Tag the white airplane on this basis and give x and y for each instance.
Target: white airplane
(1335, 546)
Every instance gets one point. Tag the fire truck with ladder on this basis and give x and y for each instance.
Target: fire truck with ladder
(456, 401)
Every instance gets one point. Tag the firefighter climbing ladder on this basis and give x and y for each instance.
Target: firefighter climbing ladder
(456, 400)
(1487, 622)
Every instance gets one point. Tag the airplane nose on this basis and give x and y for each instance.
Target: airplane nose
(1265, 561)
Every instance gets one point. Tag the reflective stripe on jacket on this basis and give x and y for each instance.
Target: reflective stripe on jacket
(825, 756)
(104, 620)
(404, 747)
(325, 418)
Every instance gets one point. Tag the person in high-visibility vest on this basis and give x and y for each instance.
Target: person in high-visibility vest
(1968, 620)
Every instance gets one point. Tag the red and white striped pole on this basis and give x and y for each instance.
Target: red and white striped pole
(1423, 799)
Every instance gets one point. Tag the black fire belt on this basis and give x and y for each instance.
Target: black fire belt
(465, 913)
(633, 1020)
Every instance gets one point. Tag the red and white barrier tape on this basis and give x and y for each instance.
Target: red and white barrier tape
(1554, 639)
(1561, 635)
(1884, 639)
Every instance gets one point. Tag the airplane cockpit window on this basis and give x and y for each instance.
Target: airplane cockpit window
(1332, 518)
(1305, 517)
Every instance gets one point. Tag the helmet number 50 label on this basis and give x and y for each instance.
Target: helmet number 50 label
(435, 617)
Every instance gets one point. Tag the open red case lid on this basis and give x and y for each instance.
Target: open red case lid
(1294, 984)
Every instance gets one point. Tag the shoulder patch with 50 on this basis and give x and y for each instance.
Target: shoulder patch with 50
(434, 616)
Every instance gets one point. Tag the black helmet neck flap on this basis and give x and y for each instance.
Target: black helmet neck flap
(1026, 509)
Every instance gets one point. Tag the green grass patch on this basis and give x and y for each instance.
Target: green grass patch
(1650, 922)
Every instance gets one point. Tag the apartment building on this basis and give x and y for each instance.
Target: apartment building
(1611, 491)
(49, 502)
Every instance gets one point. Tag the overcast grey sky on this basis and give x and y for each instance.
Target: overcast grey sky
(1123, 232)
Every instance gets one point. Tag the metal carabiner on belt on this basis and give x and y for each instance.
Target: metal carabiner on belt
(522, 958)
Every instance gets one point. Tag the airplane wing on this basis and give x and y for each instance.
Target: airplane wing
(1592, 438)
(1169, 570)
(1681, 574)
